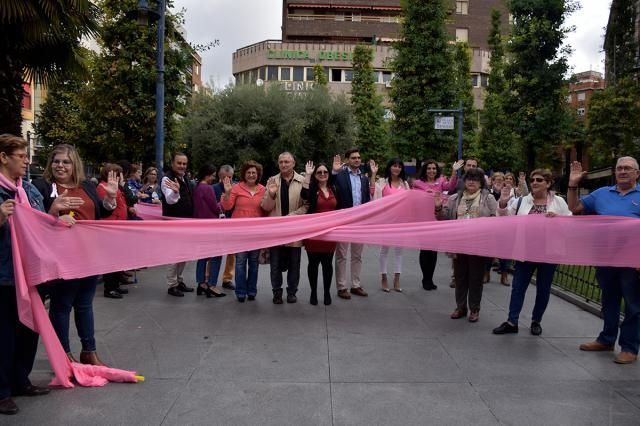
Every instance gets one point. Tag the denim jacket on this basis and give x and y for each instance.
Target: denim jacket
(6, 258)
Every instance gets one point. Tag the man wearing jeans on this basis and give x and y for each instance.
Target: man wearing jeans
(353, 190)
(282, 198)
(617, 284)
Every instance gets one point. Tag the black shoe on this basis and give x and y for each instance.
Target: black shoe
(291, 298)
(183, 287)
(505, 328)
(8, 407)
(175, 291)
(251, 297)
(228, 285)
(122, 290)
(429, 286)
(241, 299)
(31, 390)
(277, 299)
(536, 329)
(112, 294)
(313, 299)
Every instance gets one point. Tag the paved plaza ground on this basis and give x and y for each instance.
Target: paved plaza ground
(389, 359)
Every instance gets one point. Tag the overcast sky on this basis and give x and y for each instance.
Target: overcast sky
(238, 23)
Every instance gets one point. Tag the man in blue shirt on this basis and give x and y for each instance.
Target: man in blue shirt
(617, 284)
(352, 189)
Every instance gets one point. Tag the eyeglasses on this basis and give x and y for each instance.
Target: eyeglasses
(322, 172)
(625, 169)
(61, 162)
(20, 156)
(539, 180)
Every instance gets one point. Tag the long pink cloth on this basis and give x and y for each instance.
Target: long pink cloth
(48, 250)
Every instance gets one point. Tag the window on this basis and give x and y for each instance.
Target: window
(582, 96)
(26, 96)
(475, 80)
(285, 74)
(339, 17)
(298, 73)
(484, 80)
(263, 73)
(462, 7)
(336, 74)
(462, 35)
(272, 73)
(356, 17)
(377, 75)
(348, 75)
(309, 74)
(568, 99)
(386, 77)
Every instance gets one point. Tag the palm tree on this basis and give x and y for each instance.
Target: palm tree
(39, 41)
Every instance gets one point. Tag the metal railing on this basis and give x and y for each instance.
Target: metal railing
(580, 281)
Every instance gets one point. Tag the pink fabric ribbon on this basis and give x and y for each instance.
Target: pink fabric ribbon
(406, 219)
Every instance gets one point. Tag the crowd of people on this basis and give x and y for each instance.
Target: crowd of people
(467, 193)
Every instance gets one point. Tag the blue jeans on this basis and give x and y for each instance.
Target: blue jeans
(521, 279)
(620, 284)
(247, 284)
(77, 294)
(214, 270)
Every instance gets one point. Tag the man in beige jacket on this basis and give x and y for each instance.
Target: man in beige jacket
(283, 199)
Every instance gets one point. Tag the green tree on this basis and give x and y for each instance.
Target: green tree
(246, 122)
(535, 77)
(423, 70)
(464, 93)
(614, 122)
(39, 39)
(319, 76)
(367, 106)
(498, 145)
(60, 118)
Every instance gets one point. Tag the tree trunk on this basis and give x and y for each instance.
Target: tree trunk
(11, 91)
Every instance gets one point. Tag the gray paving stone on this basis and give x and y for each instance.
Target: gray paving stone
(522, 402)
(409, 404)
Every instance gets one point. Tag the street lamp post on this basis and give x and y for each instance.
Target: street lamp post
(460, 112)
(144, 13)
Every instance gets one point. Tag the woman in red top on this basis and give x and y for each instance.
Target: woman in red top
(112, 288)
(244, 199)
(322, 198)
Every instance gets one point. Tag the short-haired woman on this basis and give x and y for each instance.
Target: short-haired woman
(541, 200)
(472, 202)
(244, 199)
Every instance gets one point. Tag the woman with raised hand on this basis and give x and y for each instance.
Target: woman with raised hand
(69, 197)
(205, 206)
(474, 201)
(430, 180)
(150, 189)
(393, 182)
(541, 200)
(321, 196)
(244, 199)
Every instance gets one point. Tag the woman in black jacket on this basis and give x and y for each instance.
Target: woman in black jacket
(68, 196)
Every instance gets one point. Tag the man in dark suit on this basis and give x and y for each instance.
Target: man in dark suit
(353, 190)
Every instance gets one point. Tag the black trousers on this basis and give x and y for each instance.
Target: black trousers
(285, 259)
(18, 345)
(469, 271)
(428, 261)
(315, 260)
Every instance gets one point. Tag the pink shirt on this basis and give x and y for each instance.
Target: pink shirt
(439, 185)
(390, 190)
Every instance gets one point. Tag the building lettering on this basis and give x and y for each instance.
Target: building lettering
(323, 55)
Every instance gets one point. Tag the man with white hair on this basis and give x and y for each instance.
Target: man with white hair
(617, 284)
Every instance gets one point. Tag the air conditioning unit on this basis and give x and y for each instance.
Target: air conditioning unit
(387, 84)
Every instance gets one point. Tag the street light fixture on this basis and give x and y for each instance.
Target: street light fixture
(144, 14)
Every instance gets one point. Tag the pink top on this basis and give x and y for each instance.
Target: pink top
(439, 185)
(390, 190)
(243, 203)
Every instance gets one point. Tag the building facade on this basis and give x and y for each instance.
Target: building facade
(325, 33)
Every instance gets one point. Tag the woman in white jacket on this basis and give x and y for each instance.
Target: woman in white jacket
(394, 181)
(540, 201)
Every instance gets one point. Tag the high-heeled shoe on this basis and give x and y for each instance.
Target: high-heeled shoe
(396, 283)
(384, 283)
(208, 291)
